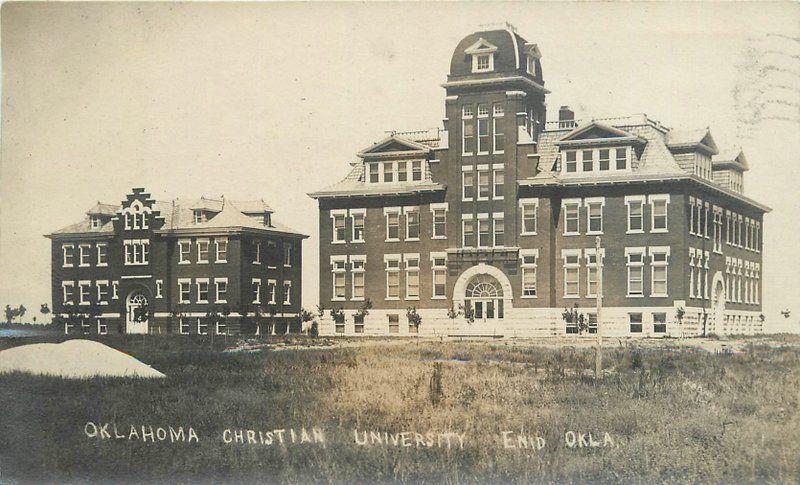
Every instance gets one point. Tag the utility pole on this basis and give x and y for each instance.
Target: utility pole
(598, 356)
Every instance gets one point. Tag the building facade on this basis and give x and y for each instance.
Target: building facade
(181, 267)
(489, 226)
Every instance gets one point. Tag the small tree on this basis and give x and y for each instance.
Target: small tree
(44, 310)
(305, 317)
(679, 314)
(11, 313)
(337, 314)
(453, 313)
(21, 312)
(468, 312)
(573, 317)
(414, 318)
(365, 307)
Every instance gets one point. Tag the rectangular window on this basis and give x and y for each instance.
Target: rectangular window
(271, 289)
(256, 289)
(468, 230)
(358, 323)
(635, 263)
(66, 250)
(102, 254)
(394, 323)
(468, 185)
(439, 267)
(257, 251)
(388, 172)
(587, 159)
(222, 250)
(221, 285)
(287, 254)
(339, 227)
(84, 251)
(484, 233)
(499, 138)
(374, 173)
(412, 224)
(184, 326)
(483, 185)
(357, 270)
(202, 250)
(717, 230)
(635, 320)
(529, 209)
(338, 269)
(202, 326)
(202, 290)
(402, 171)
(416, 170)
(571, 161)
(439, 223)
(159, 288)
(499, 230)
(102, 292)
(468, 136)
(594, 214)
(272, 254)
(528, 262)
(635, 214)
(658, 211)
(114, 290)
(287, 292)
(184, 248)
(357, 220)
(659, 323)
(412, 277)
(621, 158)
(84, 292)
(659, 260)
(571, 223)
(571, 275)
(604, 155)
(392, 277)
(137, 252)
(591, 271)
(67, 292)
(393, 226)
(184, 290)
(499, 183)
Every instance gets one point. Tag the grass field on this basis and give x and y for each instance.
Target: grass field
(674, 414)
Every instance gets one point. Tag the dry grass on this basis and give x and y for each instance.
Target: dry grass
(676, 414)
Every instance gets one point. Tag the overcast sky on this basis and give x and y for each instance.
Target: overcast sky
(273, 101)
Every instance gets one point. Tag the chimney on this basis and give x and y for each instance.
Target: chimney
(566, 117)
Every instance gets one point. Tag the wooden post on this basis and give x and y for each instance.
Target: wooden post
(598, 356)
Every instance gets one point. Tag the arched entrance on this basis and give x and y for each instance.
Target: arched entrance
(718, 298)
(136, 313)
(485, 295)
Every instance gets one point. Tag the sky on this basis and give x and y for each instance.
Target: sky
(273, 100)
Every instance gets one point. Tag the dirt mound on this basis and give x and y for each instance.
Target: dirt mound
(74, 359)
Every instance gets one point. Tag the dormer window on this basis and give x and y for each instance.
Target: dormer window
(532, 69)
(268, 219)
(483, 63)
(482, 53)
(199, 216)
(94, 222)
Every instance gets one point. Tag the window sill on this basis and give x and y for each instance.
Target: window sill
(412, 239)
(357, 298)
(594, 233)
(528, 233)
(634, 231)
(572, 297)
(463, 199)
(498, 197)
(102, 265)
(355, 241)
(634, 296)
(338, 242)
(392, 298)
(84, 303)
(184, 262)
(202, 301)
(287, 303)
(530, 297)
(257, 262)
(483, 153)
(67, 266)
(659, 295)
(221, 261)
(660, 231)
(499, 152)
(103, 303)
(439, 237)
(272, 267)
(338, 299)
(483, 198)
(571, 234)
(441, 297)
(391, 240)
(202, 262)
(412, 298)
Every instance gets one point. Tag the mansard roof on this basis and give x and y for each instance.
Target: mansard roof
(178, 216)
(699, 139)
(733, 158)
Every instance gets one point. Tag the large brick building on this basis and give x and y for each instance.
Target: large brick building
(488, 226)
(184, 266)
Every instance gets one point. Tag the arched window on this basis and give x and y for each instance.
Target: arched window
(484, 286)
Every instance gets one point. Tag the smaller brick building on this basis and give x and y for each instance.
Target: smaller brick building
(182, 266)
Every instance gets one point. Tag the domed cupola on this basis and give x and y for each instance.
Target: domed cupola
(493, 54)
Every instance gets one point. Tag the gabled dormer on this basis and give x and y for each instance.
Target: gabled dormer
(395, 160)
(533, 57)
(482, 53)
(597, 148)
(100, 214)
(728, 169)
(693, 149)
